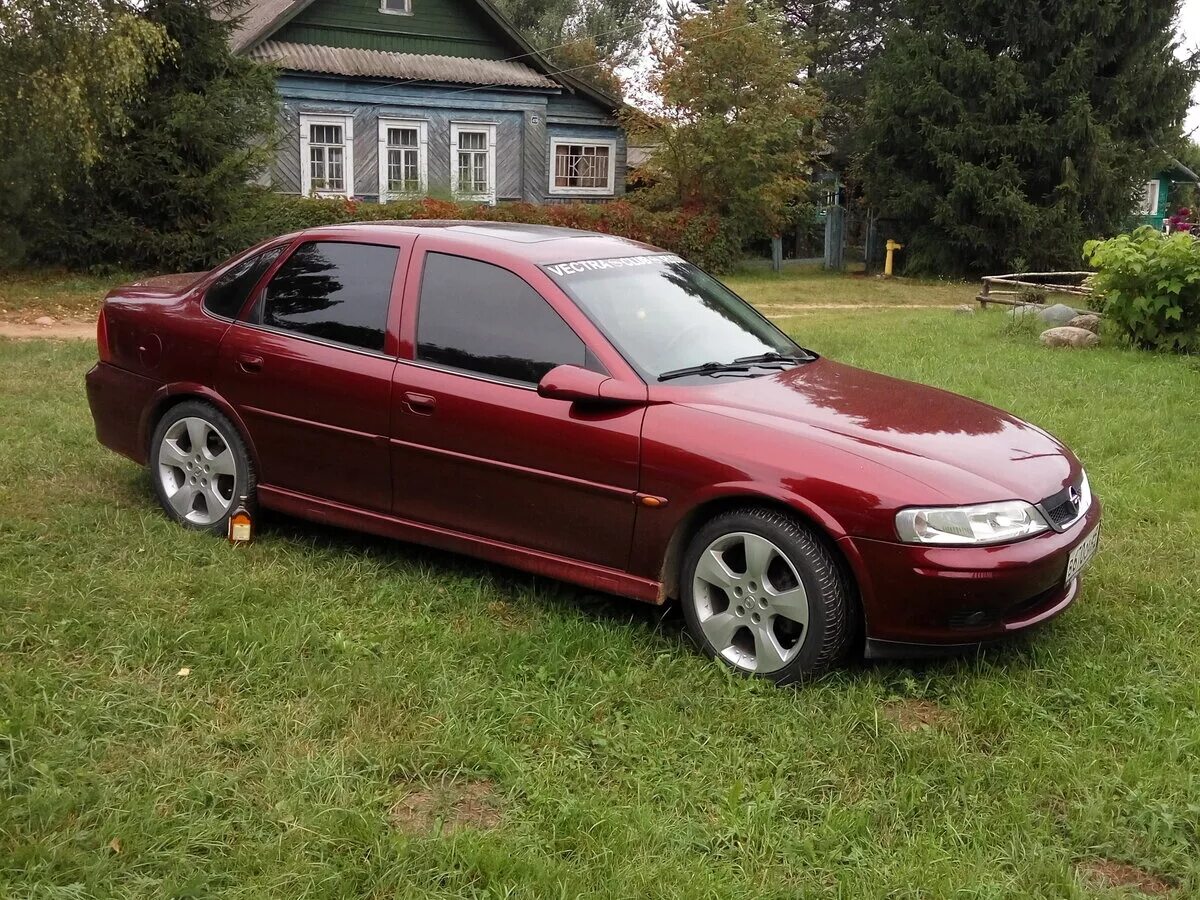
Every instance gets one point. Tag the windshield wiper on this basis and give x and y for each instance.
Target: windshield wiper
(705, 369)
(772, 357)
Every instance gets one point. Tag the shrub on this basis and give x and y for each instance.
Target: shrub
(701, 237)
(1150, 285)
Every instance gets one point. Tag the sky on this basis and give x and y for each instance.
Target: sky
(1189, 32)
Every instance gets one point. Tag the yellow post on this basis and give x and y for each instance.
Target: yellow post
(892, 247)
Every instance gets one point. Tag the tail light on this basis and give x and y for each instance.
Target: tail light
(102, 338)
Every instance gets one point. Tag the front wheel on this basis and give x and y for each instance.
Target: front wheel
(765, 596)
(199, 466)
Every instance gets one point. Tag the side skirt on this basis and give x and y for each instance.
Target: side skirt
(587, 575)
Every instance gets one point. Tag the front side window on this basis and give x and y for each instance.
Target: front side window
(582, 168)
(1149, 204)
(334, 291)
(473, 162)
(481, 318)
(327, 155)
(228, 294)
(664, 314)
(402, 166)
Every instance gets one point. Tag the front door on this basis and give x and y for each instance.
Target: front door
(310, 373)
(476, 450)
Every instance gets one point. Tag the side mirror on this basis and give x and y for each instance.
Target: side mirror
(579, 385)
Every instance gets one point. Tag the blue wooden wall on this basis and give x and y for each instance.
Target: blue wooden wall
(525, 121)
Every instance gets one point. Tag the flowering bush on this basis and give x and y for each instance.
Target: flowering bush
(699, 236)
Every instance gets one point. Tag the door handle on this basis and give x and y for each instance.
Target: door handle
(250, 364)
(421, 404)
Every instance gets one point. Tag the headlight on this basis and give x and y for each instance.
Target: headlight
(987, 523)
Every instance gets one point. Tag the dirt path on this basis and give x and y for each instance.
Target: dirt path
(59, 331)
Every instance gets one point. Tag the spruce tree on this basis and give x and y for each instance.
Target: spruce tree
(170, 191)
(1002, 135)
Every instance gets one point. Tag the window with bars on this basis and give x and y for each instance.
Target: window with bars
(327, 158)
(473, 163)
(582, 167)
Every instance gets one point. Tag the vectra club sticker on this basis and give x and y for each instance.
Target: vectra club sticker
(598, 265)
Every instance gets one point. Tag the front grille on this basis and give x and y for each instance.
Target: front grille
(1064, 512)
(1065, 507)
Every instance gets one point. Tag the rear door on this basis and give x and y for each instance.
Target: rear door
(474, 448)
(309, 369)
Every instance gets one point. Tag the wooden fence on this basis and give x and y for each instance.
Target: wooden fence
(1021, 288)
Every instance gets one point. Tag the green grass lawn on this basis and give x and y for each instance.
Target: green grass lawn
(369, 719)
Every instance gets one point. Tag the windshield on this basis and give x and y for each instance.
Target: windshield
(665, 315)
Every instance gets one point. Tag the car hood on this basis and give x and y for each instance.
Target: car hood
(963, 450)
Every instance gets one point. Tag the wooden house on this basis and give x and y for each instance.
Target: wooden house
(1153, 208)
(382, 99)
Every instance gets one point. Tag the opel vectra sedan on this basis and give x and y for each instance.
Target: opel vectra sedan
(599, 411)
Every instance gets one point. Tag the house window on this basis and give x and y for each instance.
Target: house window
(327, 155)
(396, 7)
(402, 154)
(1150, 198)
(582, 168)
(473, 161)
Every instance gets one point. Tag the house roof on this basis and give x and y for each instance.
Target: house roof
(257, 21)
(412, 66)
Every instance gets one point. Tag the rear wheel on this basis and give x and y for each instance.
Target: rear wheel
(763, 594)
(199, 466)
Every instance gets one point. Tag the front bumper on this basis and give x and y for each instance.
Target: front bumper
(922, 600)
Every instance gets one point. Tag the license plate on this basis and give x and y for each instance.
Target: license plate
(1082, 555)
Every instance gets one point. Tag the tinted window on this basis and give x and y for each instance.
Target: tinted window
(229, 292)
(334, 291)
(483, 318)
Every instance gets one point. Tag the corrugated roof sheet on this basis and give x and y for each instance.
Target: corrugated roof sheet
(409, 66)
(254, 17)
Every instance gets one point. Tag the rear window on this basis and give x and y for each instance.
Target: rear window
(229, 293)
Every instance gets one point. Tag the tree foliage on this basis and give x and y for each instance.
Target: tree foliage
(1008, 133)
(67, 71)
(734, 130)
(162, 194)
(590, 38)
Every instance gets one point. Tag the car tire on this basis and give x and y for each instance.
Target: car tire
(199, 466)
(765, 596)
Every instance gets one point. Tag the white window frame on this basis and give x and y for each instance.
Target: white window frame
(1150, 197)
(407, 11)
(347, 125)
(609, 191)
(488, 128)
(422, 129)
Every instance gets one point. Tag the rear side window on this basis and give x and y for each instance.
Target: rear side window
(334, 291)
(228, 294)
(482, 318)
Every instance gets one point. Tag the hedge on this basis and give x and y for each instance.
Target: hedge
(698, 236)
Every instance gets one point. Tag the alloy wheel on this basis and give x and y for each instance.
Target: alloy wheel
(750, 602)
(197, 470)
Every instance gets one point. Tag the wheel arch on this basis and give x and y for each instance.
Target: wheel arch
(823, 525)
(171, 395)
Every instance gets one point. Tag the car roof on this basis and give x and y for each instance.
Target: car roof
(535, 243)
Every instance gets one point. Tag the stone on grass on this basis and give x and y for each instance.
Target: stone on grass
(1090, 321)
(965, 309)
(44, 321)
(1023, 310)
(1058, 314)
(1066, 336)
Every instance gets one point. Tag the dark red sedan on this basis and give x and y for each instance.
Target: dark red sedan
(599, 411)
